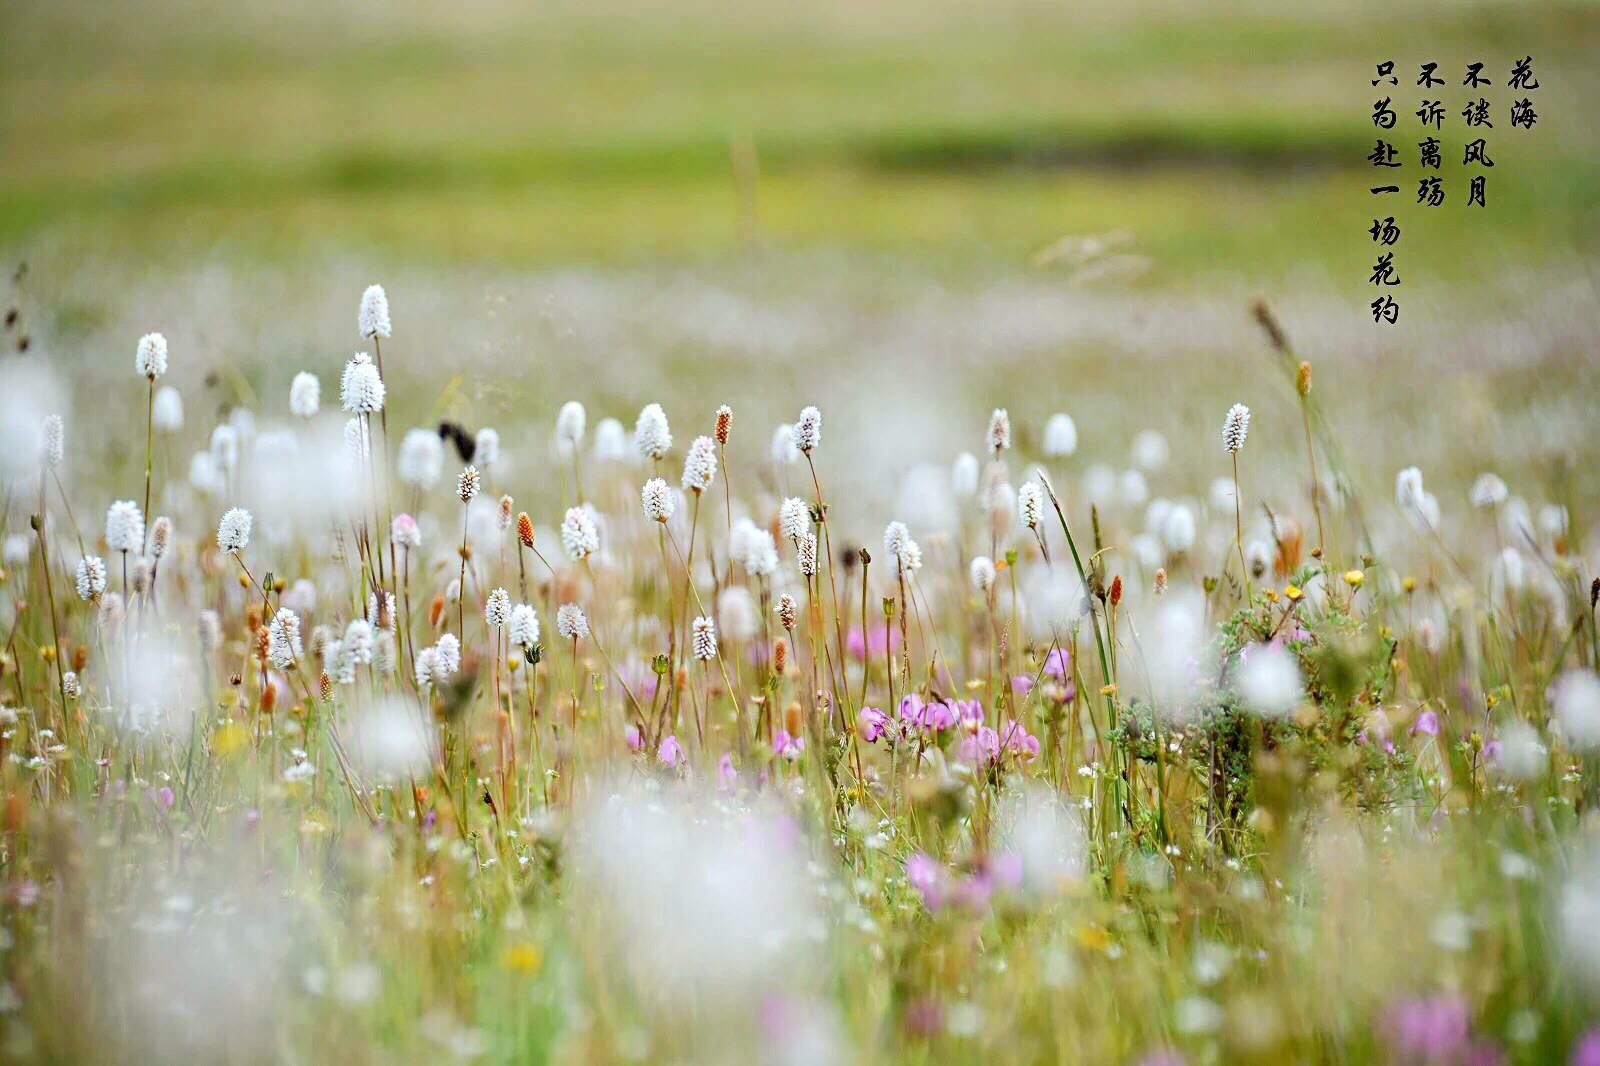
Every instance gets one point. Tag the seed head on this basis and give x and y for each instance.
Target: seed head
(150, 358)
(1161, 580)
(571, 622)
(361, 388)
(208, 628)
(783, 451)
(579, 536)
(233, 532)
(999, 430)
(657, 500)
(788, 613)
(448, 649)
(507, 515)
(525, 529)
(700, 465)
(705, 638)
(651, 435)
(497, 608)
(421, 460)
(724, 424)
(1235, 427)
(981, 572)
(1302, 379)
(807, 430)
(467, 483)
(91, 577)
(374, 317)
(1488, 491)
(124, 527)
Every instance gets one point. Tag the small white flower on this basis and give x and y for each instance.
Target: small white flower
(1267, 680)
(794, 518)
(999, 430)
(497, 608)
(651, 435)
(1488, 491)
(571, 622)
(807, 430)
(705, 638)
(449, 651)
(467, 484)
(610, 441)
(700, 465)
(124, 527)
(91, 577)
(1235, 427)
(305, 395)
(806, 550)
(373, 320)
(283, 639)
(579, 535)
(150, 358)
(361, 389)
(1030, 504)
(656, 496)
(523, 627)
(981, 572)
(233, 532)
(964, 475)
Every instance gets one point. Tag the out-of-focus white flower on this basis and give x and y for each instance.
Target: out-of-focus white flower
(1266, 679)
(523, 628)
(421, 460)
(1060, 436)
(91, 577)
(1488, 491)
(981, 573)
(999, 435)
(1178, 528)
(1576, 698)
(1048, 838)
(392, 740)
(782, 449)
(1523, 754)
(305, 395)
(167, 414)
(610, 441)
(570, 424)
(52, 440)
(737, 610)
(486, 447)
(964, 474)
(1150, 450)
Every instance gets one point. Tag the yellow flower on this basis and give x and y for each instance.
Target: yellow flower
(1093, 938)
(524, 958)
(1294, 593)
(229, 737)
(1408, 583)
(1108, 690)
(1353, 578)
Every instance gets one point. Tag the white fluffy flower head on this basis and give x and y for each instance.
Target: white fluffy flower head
(656, 497)
(124, 527)
(233, 532)
(999, 430)
(361, 389)
(579, 535)
(651, 435)
(705, 638)
(807, 430)
(1235, 427)
(571, 622)
(497, 608)
(374, 317)
(523, 627)
(150, 358)
(700, 465)
(305, 395)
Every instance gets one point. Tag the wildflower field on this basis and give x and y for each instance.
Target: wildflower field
(861, 553)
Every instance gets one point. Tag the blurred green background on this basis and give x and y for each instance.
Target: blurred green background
(1224, 137)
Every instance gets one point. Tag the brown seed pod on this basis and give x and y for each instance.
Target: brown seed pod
(525, 529)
